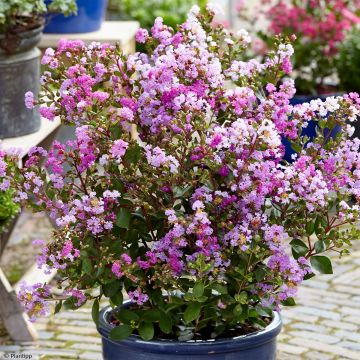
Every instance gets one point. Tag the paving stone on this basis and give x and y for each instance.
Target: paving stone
(348, 277)
(5, 348)
(317, 312)
(354, 336)
(299, 316)
(352, 319)
(54, 352)
(45, 335)
(79, 338)
(347, 289)
(81, 346)
(81, 323)
(90, 356)
(350, 311)
(78, 330)
(314, 355)
(351, 345)
(323, 338)
(291, 349)
(339, 325)
(326, 348)
(77, 315)
(317, 284)
(310, 327)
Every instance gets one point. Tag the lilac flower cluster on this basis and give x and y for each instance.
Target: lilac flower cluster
(199, 196)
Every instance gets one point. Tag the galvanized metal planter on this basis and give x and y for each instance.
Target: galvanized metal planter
(19, 73)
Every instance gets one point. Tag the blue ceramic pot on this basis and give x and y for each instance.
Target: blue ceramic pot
(310, 130)
(90, 16)
(260, 345)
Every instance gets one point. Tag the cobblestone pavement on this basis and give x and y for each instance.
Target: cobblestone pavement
(324, 326)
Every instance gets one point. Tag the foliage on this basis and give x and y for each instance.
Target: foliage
(195, 215)
(348, 63)
(21, 15)
(145, 12)
(320, 27)
(8, 209)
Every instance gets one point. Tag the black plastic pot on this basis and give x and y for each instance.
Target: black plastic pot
(260, 345)
(19, 73)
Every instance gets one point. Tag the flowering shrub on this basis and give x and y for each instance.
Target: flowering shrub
(320, 27)
(195, 215)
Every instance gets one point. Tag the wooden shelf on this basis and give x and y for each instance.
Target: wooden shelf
(26, 142)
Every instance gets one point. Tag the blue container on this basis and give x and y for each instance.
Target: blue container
(90, 16)
(257, 346)
(310, 130)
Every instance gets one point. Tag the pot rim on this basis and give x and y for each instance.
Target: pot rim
(237, 343)
(25, 34)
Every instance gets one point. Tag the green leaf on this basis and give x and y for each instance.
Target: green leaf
(289, 302)
(299, 248)
(133, 154)
(58, 307)
(151, 315)
(86, 266)
(241, 298)
(321, 264)
(192, 312)
(198, 289)
(95, 312)
(118, 298)
(221, 289)
(120, 332)
(146, 330)
(238, 310)
(165, 323)
(126, 316)
(320, 246)
(310, 228)
(123, 218)
(111, 289)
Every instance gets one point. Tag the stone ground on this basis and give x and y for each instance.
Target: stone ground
(324, 326)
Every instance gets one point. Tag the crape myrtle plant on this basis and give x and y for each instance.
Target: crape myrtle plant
(175, 191)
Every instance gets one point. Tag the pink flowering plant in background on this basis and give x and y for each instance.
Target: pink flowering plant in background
(319, 28)
(175, 191)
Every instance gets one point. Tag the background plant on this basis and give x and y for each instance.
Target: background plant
(173, 12)
(320, 27)
(348, 63)
(8, 208)
(196, 216)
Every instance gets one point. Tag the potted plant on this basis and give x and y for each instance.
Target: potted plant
(21, 25)
(319, 28)
(195, 216)
(89, 17)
